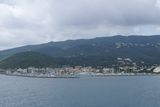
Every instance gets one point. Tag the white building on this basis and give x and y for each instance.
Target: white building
(156, 70)
(22, 70)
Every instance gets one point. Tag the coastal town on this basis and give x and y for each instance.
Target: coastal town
(125, 67)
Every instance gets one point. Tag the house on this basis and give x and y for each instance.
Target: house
(156, 70)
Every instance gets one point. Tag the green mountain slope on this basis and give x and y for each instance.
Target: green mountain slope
(138, 48)
(34, 59)
(27, 59)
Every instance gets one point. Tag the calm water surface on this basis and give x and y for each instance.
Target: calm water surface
(123, 91)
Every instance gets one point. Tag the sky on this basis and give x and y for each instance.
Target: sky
(26, 22)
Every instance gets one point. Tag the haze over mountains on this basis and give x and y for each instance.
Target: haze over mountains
(102, 51)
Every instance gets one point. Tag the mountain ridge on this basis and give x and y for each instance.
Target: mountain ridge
(139, 48)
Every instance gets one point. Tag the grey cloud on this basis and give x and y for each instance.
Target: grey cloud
(122, 12)
(37, 21)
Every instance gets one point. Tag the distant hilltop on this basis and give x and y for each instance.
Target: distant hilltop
(101, 51)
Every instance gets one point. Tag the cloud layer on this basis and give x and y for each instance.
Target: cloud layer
(25, 22)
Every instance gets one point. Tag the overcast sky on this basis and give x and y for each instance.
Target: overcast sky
(24, 22)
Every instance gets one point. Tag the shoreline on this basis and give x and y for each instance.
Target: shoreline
(79, 76)
(37, 76)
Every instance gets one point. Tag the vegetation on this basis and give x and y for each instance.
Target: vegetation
(34, 59)
(26, 59)
(91, 52)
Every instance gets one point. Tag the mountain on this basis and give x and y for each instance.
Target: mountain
(139, 48)
(34, 59)
(27, 59)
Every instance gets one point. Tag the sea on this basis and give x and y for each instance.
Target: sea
(110, 91)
